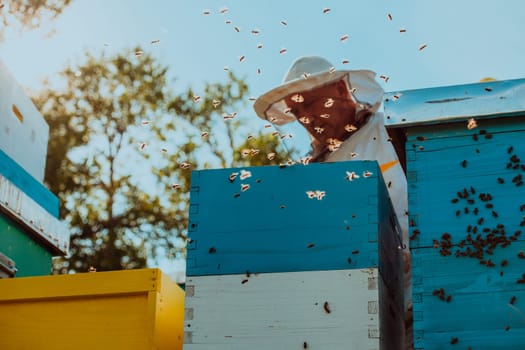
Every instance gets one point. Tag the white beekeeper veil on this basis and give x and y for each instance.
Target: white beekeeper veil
(306, 74)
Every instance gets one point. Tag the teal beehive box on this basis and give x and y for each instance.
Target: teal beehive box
(30, 231)
(465, 162)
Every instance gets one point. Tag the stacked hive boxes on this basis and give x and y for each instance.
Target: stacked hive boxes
(465, 165)
(30, 232)
(293, 257)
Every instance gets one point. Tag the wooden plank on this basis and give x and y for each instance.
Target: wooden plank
(446, 167)
(275, 227)
(483, 299)
(284, 310)
(23, 180)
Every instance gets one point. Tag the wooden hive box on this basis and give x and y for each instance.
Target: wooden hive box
(262, 262)
(134, 309)
(466, 212)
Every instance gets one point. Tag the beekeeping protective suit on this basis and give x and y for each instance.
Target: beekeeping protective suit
(334, 115)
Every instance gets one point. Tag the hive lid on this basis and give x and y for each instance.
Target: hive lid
(504, 98)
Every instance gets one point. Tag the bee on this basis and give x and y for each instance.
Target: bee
(228, 21)
(504, 263)
(454, 340)
(244, 281)
(512, 300)
(270, 156)
(297, 98)
(331, 70)
(145, 122)
(196, 98)
(223, 10)
(454, 200)
(310, 194)
(92, 269)
(305, 345)
(244, 187)
(255, 31)
(185, 165)
(237, 29)
(282, 206)
(233, 176)
(259, 46)
(422, 47)
(385, 78)
(345, 61)
(402, 30)
(212, 250)
(310, 245)
(329, 102)
(325, 10)
(304, 120)
(155, 41)
(236, 195)
(226, 68)
(284, 23)
(350, 176)
(521, 255)
(282, 51)
(354, 252)
(204, 134)
(242, 58)
(175, 186)
(344, 38)
(464, 163)
(245, 174)
(471, 124)
(142, 145)
(367, 173)
(138, 53)
(350, 128)
(389, 17)
(326, 307)
(319, 129)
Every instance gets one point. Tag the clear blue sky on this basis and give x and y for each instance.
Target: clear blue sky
(466, 40)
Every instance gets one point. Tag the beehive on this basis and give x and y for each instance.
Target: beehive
(268, 246)
(23, 132)
(30, 230)
(135, 309)
(465, 159)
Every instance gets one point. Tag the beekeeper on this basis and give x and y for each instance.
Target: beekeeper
(334, 115)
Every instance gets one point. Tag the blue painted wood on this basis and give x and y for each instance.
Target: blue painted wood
(28, 184)
(275, 227)
(438, 168)
(480, 299)
(446, 104)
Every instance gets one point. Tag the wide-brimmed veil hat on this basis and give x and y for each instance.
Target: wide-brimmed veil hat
(309, 72)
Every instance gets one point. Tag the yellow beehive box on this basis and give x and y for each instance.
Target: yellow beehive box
(133, 309)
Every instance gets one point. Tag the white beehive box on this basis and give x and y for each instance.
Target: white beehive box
(337, 309)
(23, 131)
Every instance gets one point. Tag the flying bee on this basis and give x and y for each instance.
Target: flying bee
(471, 124)
(325, 10)
(350, 176)
(282, 51)
(204, 134)
(422, 47)
(304, 120)
(389, 17)
(155, 41)
(345, 61)
(326, 307)
(242, 58)
(196, 98)
(297, 98)
(237, 29)
(233, 176)
(245, 174)
(175, 186)
(255, 31)
(367, 173)
(270, 156)
(331, 70)
(329, 102)
(259, 46)
(206, 12)
(344, 38)
(402, 30)
(350, 128)
(145, 122)
(223, 10)
(185, 165)
(244, 187)
(138, 53)
(284, 23)
(142, 145)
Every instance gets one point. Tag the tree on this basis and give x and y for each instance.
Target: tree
(121, 150)
(29, 14)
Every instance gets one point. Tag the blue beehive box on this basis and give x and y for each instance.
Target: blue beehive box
(289, 218)
(323, 237)
(465, 162)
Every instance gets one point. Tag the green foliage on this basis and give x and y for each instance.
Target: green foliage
(29, 14)
(122, 147)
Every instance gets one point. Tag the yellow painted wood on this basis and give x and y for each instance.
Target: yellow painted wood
(135, 309)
